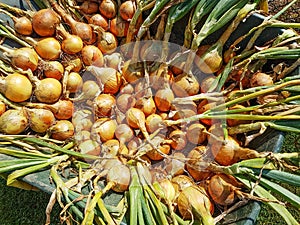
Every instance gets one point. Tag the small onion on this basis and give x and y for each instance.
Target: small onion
(107, 42)
(53, 69)
(71, 44)
(260, 79)
(82, 119)
(146, 104)
(180, 182)
(120, 177)
(90, 147)
(81, 136)
(185, 85)
(103, 105)
(153, 122)
(104, 129)
(90, 90)
(196, 133)
(155, 154)
(108, 8)
(113, 60)
(2, 107)
(124, 133)
(178, 138)
(99, 20)
(74, 82)
(48, 90)
(23, 25)
(174, 165)
(62, 130)
(163, 99)
(91, 55)
(13, 122)
(88, 7)
(48, 48)
(16, 87)
(44, 22)
(40, 120)
(118, 27)
(127, 10)
(113, 148)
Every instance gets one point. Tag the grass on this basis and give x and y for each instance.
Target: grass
(20, 207)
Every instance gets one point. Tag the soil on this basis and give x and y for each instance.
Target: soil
(292, 15)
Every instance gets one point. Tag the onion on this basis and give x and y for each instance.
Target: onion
(48, 90)
(90, 90)
(196, 155)
(133, 144)
(62, 109)
(124, 133)
(118, 27)
(113, 60)
(81, 136)
(44, 22)
(174, 165)
(83, 30)
(91, 55)
(23, 25)
(163, 99)
(221, 189)
(24, 58)
(108, 8)
(107, 42)
(82, 119)
(99, 20)
(196, 133)
(13, 122)
(109, 78)
(162, 147)
(126, 89)
(125, 102)
(88, 7)
(178, 138)
(260, 79)
(2, 107)
(183, 113)
(203, 106)
(104, 129)
(146, 104)
(103, 105)
(127, 10)
(16, 87)
(136, 119)
(113, 148)
(40, 120)
(194, 199)
(206, 83)
(229, 152)
(185, 85)
(74, 82)
(180, 182)
(132, 72)
(71, 43)
(153, 122)
(119, 177)
(53, 69)
(211, 61)
(90, 147)
(62, 130)
(48, 48)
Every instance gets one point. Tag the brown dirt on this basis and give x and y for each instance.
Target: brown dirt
(291, 15)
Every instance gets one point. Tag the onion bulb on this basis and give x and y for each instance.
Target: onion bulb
(53, 69)
(48, 90)
(125, 102)
(107, 42)
(108, 8)
(62, 130)
(104, 129)
(161, 148)
(40, 120)
(193, 199)
(48, 48)
(127, 10)
(91, 55)
(90, 147)
(74, 82)
(23, 25)
(2, 107)
(113, 60)
(82, 119)
(174, 165)
(163, 99)
(103, 105)
(260, 79)
(196, 133)
(185, 85)
(118, 27)
(13, 122)
(119, 176)
(178, 138)
(88, 7)
(124, 133)
(99, 20)
(44, 22)
(146, 104)
(153, 122)
(16, 87)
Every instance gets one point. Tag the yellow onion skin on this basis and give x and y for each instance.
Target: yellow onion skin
(48, 90)
(103, 105)
(13, 122)
(108, 8)
(99, 20)
(40, 120)
(16, 87)
(89, 7)
(118, 27)
(195, 198)
(127, 10)
(23, 25)
(104, 129)
(196, 133)
(113, 60)
(74, 82)
(53, 69)
(120, 175)
(2, 107)
(25, 58)
(48, 48)
(185, 85)
(62, 130)
(44, 22)
(72, 44)
(175, 165)
(163, 99)
(260, 79)
(90, 147)
(107, 42)
(91, 55)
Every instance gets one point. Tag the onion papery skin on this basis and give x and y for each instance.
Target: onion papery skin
(48, 90)
(62, 130)
(16, 87)
(13, 122)
(108, 8)
(104, 129)
(44, 22)
(120, 175)
(48, 48)
(72, 44)
(53, 69)
(23, 25)
(25, 58)
(103, 105)
(91, 55)
(99, 20)
(40, 120)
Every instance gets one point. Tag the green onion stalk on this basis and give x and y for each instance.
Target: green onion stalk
(221, 14)
(16, 11)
